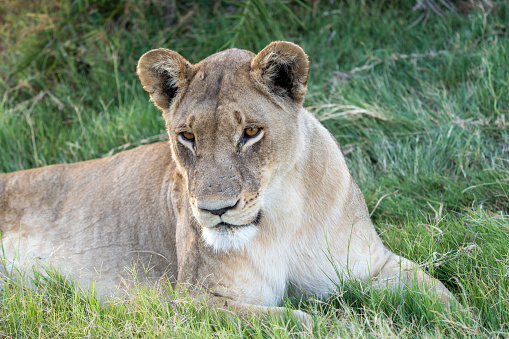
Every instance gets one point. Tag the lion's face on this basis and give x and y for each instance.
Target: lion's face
(232, 120)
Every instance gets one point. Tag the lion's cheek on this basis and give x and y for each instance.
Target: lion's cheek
(186, 164)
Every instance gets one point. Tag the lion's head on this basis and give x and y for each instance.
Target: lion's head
(233, 128)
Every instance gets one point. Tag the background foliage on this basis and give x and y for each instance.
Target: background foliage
(416, 92)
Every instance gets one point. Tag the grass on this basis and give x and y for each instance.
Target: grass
(420, 111)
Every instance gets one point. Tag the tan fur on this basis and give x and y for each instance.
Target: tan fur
(288, 198)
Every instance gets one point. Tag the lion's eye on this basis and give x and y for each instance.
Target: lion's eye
(187, 136)
(252, 132)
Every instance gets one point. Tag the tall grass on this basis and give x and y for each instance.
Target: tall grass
(421, 112)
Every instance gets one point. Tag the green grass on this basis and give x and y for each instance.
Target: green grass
(423, 111)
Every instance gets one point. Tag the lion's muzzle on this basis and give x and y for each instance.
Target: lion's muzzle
(229, 228)
(217, 211)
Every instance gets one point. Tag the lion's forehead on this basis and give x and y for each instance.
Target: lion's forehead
(219, 90)
(230, 106)
(228, 59)
(221, 76)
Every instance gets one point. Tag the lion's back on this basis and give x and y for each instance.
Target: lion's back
(99, 215)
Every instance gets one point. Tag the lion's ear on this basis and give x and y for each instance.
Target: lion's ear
(163, 73)
(283, 68)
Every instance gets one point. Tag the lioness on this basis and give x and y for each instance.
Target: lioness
(250, 199)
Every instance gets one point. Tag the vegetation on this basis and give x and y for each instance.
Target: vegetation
(420, 107)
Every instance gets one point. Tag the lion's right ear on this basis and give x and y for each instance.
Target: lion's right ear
(163, 73)
(282, 68)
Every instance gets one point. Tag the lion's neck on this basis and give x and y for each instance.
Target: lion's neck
(315, 189)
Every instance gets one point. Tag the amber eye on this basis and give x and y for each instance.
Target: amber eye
(252, 131)
(187, 136)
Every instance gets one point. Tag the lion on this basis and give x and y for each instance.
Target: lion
(249, 201)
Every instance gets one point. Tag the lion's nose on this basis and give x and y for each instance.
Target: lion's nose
(219, 211)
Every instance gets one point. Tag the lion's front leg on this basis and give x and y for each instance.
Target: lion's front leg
(398, 271)
(221, 304)
(246, 310)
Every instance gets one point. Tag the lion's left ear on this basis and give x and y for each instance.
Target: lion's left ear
(282, 68)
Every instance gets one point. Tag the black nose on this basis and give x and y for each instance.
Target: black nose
(220, 211)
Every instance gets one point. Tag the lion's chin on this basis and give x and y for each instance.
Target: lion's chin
(226, 237)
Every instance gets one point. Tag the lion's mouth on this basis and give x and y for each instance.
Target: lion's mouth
(256, 221)
(225, 236)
